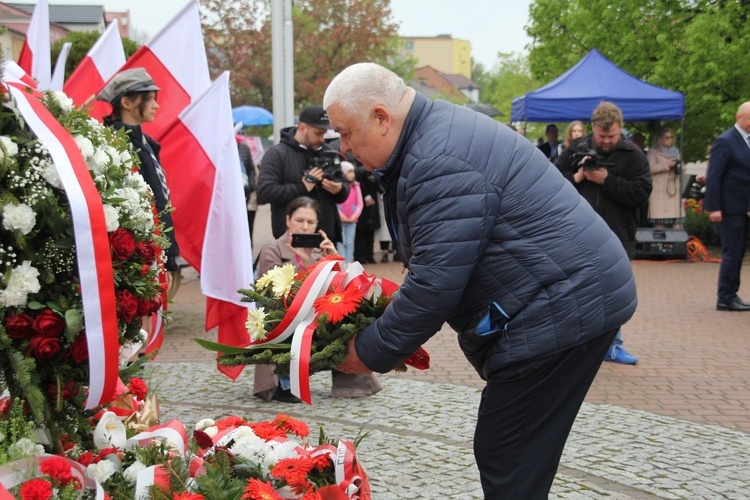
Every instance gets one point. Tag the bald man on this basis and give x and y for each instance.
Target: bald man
(727, 203)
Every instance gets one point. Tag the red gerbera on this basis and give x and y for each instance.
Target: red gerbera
(36, 489)
(267, 430)
(293, 470)
(322, 461)
(337, 304)
(186, 495)
(259, 490)
(227, 422)
(290, 425)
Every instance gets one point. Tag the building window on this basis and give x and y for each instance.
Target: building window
(409, 46)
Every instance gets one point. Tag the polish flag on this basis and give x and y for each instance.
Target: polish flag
(12, 72)
(176, 59)
(35, 56)
(58, 76)
(209, 209)
(100, 64)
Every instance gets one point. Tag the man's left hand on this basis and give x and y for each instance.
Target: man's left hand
(352, 364)
(331, 186)
(596, 176)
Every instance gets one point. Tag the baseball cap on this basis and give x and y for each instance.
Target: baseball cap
(130, 80)
(316, 116)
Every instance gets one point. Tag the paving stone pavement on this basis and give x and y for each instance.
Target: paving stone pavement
(676, 425)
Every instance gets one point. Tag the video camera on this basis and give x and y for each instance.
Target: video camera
(593, 160)
(330, 163)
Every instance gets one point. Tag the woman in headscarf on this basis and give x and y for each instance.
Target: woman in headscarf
(664, 159)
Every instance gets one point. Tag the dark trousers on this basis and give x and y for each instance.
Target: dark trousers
(733, 229)
(525, 416)
(251, 223)
(363, 242)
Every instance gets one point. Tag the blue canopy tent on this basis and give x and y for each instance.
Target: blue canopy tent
(574, 95)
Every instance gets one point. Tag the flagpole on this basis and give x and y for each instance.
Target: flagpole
(282, 57)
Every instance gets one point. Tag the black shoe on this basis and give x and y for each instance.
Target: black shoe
(384, 258)
(733, 305)
(285, 396)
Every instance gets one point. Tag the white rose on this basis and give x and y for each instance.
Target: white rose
(211, 431)
(131, 473)
(23, 281)
(112, 217)
(19, 217)
(102, 470)
(85, 145)
(9, 148)
(65, 102)
(202, 424)
(23, 448)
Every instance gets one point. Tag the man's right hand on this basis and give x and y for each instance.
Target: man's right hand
(316, 172)
(715, 216)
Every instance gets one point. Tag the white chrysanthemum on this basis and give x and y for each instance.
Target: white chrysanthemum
(19, 217)
(251, 450)
(98, 160)
(85, 146)
(282, 279)
(23, 281)
(114, 155)
(52, 176)
(112, 217)
(136, 181)
(10, 148)
(65, 102)
(244, 432)
(23, 448)
(256, 323)
(202, 424)
(278, 452)
(131, 473)
(102, 470)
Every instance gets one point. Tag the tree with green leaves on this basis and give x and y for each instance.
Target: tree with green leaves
(697, 47)
(329, 35)
(82, 41)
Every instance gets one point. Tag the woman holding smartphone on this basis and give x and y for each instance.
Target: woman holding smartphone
(302, 219)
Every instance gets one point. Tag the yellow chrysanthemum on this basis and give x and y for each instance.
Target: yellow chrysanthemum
(256, 323)
(282, 279)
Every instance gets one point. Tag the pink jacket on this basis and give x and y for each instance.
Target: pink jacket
(353, 205)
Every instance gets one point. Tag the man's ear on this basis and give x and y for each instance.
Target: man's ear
(382, 118)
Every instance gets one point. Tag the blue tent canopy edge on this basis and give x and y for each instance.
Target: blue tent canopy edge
(574, 95)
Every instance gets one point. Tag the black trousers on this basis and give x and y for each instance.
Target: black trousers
(525, 416)
(733, 229)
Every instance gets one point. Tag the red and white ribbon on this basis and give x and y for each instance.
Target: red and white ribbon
(156, 475)
(92, 245)
(173, 431)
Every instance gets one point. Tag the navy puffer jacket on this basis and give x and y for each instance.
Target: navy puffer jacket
(497, 243)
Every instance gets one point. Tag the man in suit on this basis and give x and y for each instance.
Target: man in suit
(550, 148)
(727, 201)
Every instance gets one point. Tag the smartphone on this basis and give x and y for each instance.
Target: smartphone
(304, 240)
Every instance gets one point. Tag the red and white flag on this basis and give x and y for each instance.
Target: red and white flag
(101, 63)
(176, 59)
(12, 72)
(209, 209)
(35, 56)
(58, 76)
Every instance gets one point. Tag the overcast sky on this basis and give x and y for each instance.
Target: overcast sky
(491, 26)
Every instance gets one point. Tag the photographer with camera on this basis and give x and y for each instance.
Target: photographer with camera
(303, 165)
(664, 160)
(613, 175)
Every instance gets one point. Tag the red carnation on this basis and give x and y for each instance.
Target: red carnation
(86, 459)
(138, 388)
(59, 470)
(79, 349)
(122, 243)
(36, 489)
(127, 305)
(18, 326)
(49, 324)
(43, 348)
(146, 250)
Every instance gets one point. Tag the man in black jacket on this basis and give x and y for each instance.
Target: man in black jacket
(613, 175)
(288, 171)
